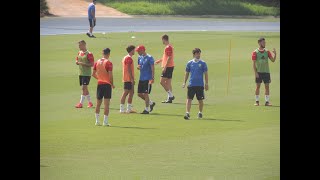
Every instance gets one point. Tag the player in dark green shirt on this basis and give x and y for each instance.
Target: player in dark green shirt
(260, 59)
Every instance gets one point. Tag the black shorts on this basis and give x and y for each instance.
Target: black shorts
(196, 90)
(168, 73)
(84, 80)
(265, 77)
(92, 22)
(144, 87)
(104, 91)
(127, 85)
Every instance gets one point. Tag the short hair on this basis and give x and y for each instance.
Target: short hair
(165, 37)
(82, 42)
(106, 51)
(130, 48)
(261, 39)
(196, 50)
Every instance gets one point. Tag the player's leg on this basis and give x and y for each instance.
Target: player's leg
(200, 98)
(151, 103)
(140, 90)
(258, 84)
(106, 111)
(86, 81)
(169, 84)
(98, 105)
(89, 33)
(123, 98)
(107, 96)
(82, 97)
(267, 81)
(131, 93)
(164, 83)
(267, 94)
(190, 94)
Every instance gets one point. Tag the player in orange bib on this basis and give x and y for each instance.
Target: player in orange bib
(167, 68)
(102, 71)
(128, 80)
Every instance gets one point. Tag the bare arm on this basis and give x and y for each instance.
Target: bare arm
(206, 80)
(152, 70)
(94, 74)
(275, 55)
(255, 69)
(186, 76)
(111, 78)
(131, 74)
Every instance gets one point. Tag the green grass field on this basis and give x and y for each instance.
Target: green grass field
(234, 140)
(196, 7)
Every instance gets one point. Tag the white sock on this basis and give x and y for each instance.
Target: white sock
(105, 119)
(88, 98)
(187, 112)
(257, 97)
(267, 97)
(97, 117)
(150, 102)
(200, 112)
(147, 109)
(170, 94)
(82, 99)
(121, 107)
(129, 107)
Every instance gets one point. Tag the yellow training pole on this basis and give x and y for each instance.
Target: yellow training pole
(229, 68)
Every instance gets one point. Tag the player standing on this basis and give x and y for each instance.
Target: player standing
(167, 64)
(128, 80)
(92, 18)
(196, 67)
(102, 71)
(261, 70)
(85, 61)
(146, 67)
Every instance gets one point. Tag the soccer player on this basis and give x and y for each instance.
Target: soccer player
(146, 67)
(102, 71)
(85, 61)
(196, 67)
(261, 70)
(92, 18)
(167, 64)
(128, 80)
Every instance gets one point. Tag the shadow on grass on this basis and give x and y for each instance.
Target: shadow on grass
(132, 127)
(213, 119)
(43, 165)
(161, 114)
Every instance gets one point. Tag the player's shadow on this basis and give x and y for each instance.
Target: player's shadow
(162, 114)
(41, 165)
(213, 119)
(273, 106)
(131, 127)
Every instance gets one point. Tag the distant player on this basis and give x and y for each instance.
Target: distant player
(167, 64)
(196, 67)
(261, 70)
(128, 80)
(92, 18)
(102, 71)
(146, 67)
(85, 61)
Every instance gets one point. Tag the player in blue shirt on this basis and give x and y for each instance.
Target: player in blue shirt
(92, 18)
(146, 67)
(196, 67)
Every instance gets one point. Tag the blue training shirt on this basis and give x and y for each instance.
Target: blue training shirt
(145, 63)
(91, 8)
(196, 69)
